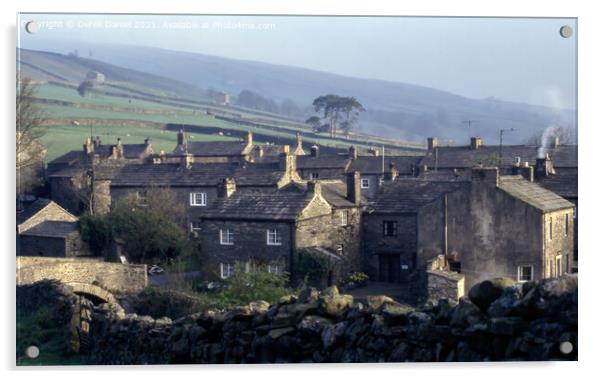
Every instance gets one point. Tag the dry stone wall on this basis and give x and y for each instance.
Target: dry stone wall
(499, 320)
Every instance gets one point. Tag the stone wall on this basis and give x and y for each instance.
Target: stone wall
(499, 322)
(111, 276)
(445, 285)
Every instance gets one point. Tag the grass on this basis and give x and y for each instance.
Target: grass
(39, 329)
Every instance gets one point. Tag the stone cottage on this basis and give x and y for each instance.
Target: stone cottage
(271, 227)
(196, 184)
(489, 227)
(46, 229)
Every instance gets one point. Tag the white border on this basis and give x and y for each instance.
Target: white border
(589, 156)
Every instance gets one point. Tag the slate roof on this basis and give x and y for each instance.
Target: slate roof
(32, 210)
(323, 161)
(465, 157)
(277, 205)
(408, 195)
(130, 151)
(333, 191)
(214, 148)
(374, 165)
(533, 194)
(199, 174)
(55, 229)
(564, 183)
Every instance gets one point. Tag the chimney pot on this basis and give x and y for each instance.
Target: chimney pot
(187, 160)
(315, 151)
(226, 188)
(475, 143)
(181, 137)
(556, 141)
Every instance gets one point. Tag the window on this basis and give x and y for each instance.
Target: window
(198, 199)
(365, 183)
(141, 198)
(274, 268)
(226, 270)
(226, 237)
(566, 224)
(558, 265)
(195, 226)
(389, 228)
(344, 218)
(340, 249)
(567, 263)
(525, 273)
(550, 227)
(274, 237)
(314, 175)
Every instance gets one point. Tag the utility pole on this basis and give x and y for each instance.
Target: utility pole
(502, 142)
(470, 122)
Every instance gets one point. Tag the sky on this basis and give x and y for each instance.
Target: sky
(514, 59)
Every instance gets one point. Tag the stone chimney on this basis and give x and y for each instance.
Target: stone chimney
(287, 161)
(181, 138)
(226, 188)
(556, 142)
(315, 151)
(475, 143)
(431, 143)
(186, 161)
(249, 138)
(354, 192)
(352, 152)
(544, 167)
(147, 142)
(392, 173)
(88, 146)
(486, 175)
(97, 142)
(314, 188)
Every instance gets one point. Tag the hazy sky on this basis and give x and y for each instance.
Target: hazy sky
(524, 60)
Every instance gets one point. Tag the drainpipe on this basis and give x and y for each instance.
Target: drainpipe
(445, 226)
(293, 243)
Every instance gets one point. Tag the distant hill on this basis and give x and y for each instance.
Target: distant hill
(394, 109)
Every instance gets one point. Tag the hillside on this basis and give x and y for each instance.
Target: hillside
(133, 105)
(396, 110)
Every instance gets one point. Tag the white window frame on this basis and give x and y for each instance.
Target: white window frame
(193, 229)
(519, 276)
(194, 201)
(314, 175)
(274, 268)
(365, 183)
(226, 270)
(226, 237)
(394, 229)
(344, 218)
(273, 237)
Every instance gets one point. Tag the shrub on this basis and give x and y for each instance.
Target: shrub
(258, 284)
(96, 232)
(355, 280)
(312, 268)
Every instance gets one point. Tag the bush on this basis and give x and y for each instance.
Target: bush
(258, 284)
(312, 268)
(96, 232)
(355, 280)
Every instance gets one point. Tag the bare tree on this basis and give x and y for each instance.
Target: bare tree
(30, 128)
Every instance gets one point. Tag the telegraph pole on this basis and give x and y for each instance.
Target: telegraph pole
(470, 122)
